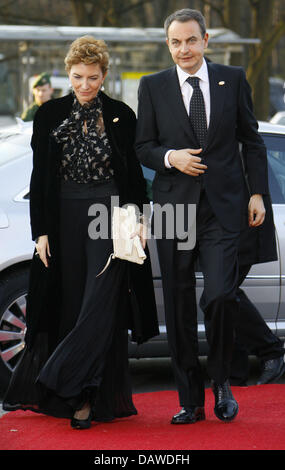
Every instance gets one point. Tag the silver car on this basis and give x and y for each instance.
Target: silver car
(265, 283)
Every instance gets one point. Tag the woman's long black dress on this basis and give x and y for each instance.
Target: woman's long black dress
(90, 362)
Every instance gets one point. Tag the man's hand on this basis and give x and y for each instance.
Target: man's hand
(185, 160)
(256, 210)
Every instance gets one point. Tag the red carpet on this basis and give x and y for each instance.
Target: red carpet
(260, 425)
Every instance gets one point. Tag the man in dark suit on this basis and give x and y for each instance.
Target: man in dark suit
(188, 130)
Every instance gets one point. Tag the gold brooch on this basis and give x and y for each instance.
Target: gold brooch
(115, 119)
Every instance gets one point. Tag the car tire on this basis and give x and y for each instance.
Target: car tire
(13, 295)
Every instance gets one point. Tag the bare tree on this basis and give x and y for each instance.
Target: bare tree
(259, 67)
(111, 12)
(29, 12)
(267, 24)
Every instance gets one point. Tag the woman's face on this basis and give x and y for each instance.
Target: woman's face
(86, 81)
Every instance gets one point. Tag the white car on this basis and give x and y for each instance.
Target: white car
(278, 118)
(265, 283)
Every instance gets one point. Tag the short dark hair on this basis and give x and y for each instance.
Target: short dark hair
(184, 15)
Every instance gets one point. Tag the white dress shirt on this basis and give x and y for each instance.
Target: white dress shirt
(187, 90)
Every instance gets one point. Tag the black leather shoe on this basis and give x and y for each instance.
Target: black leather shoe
(189, 415)
(81, 423)
(273, 369)
(226, 407)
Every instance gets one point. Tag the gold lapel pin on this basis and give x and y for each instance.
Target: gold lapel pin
(115, 119)
(221, 83)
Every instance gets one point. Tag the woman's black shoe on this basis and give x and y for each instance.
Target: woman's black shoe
(82, 423)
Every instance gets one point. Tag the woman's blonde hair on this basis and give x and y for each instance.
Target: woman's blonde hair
(87, 50)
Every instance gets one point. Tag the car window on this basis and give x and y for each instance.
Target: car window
(13, 146)
(275, 145)
(282, 121)
(148, 175)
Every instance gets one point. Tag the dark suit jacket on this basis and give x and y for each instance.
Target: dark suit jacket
(258, 244)
(43, 303)
(163, 124)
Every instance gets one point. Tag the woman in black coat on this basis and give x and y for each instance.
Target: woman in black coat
(75, 364)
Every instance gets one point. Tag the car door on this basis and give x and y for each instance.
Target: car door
(264, 284)
(273, 306)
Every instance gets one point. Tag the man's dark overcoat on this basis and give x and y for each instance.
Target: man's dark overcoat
(258, 244)
(43, 304)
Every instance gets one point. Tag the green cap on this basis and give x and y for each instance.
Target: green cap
(41, 80)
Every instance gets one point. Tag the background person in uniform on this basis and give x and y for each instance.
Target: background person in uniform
(75, 364)
(195, 153)
(42, 92)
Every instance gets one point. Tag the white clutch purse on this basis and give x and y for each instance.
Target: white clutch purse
(124, 224)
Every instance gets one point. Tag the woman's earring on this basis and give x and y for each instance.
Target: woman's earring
(102, 87)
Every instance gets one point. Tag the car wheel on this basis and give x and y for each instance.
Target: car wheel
(13, 296)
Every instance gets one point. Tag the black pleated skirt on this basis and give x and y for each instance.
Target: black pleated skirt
(90, 362)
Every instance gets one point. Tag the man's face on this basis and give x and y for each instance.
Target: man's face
(186, 45)
(42, 93)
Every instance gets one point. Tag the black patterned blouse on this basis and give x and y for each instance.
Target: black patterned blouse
(86, 149)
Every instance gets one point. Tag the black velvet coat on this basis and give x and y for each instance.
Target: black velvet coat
(44, 296)
(258, 244)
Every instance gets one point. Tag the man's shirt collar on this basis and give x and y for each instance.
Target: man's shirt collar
(202, 73)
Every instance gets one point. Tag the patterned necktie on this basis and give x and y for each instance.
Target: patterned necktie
(197, 113)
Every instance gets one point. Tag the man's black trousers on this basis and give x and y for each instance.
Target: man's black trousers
(217, 250)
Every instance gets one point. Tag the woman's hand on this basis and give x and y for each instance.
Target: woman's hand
(42, 249)
(142, 233)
